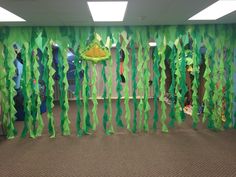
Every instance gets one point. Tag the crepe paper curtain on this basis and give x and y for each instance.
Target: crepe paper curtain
(63, 84)
(134, 84)
(104, 95)
(27, 92)
(50, 71)
(173, 58)
(124, 46)
(216, 38)
(78, 88)
(118, 88)
(9, 109)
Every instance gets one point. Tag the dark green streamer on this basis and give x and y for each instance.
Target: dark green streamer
(118, 87)
(173, 58)
(134, 84)
(63, 83)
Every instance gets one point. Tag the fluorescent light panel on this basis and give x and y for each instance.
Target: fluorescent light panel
(7, 16)
(216, 10)
(107, 11)
(152, 44)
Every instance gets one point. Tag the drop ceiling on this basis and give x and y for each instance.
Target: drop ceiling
(139, 12)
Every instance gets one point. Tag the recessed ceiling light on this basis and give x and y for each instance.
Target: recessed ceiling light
(152, 44)
(107, 11)
(7, 16)
(216, 10)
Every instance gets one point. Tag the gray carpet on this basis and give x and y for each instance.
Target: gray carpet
(181, 152)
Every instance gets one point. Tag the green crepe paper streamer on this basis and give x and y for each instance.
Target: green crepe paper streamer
(195, 86)
(140, 86)
(38, 118)
(217, 95)
(173, 58)
(146, 88)
(94, 97)
(27, 92)
(85, 92)
(228, 89)
(177, 87)
(118, 87)
(63, 83)
(9, 110)
(109, 85)
(126, 87)
(207, 86)
(50, 71)
(134, 84)
(156, 86)
(104, 95)
(78, 88)
(87, 89)
(183, 81)
(162, 90)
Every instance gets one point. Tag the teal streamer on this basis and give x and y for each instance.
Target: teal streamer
(118, 88)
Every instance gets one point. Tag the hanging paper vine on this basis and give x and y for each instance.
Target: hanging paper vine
(207, 93)
(134, 84)
(94, 97)
(173, 58)
(36, 87)
(9, 110)
(177, 86)
(118, 87)
(50, 71)
(195, 86)
(126, 76)
(228, 89)
(109, 85)
(78, 81)
(140, 82)
(162, 91)
(104, 95)
(63, 83)
(183, 75)
(27, 92)
(146, 88)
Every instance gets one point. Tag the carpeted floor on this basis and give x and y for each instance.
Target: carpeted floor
(182, 152)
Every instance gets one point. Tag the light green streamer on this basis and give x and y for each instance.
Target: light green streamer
(126, 87)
